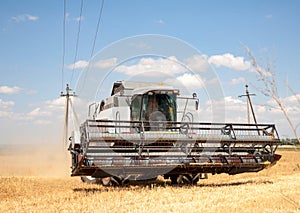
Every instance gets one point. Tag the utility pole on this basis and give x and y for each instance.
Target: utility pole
(66, 124)
(249, 103)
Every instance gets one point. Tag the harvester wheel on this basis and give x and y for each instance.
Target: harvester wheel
(112, 181)
(173, 179)
(116, 181)
(181, 180)
(194, 178)
(106, 181)
(90, 180)
(184, 180)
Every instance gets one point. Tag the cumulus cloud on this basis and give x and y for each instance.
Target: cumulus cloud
(291, 104)
(230, 61)
(6, 104)
(78, 65)
(9, 90)
(56, 105)
(106, 63)
(6, 108)
(38, 112)
(293, 99)
(189, 81)
(48, 112)
(5, 114)
(197, 62)
(239, 80)
(232, 101)
(24, 17)
(149, 65)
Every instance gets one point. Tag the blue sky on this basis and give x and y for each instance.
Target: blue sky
(31, 53)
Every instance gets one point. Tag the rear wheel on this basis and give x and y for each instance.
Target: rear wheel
(185, 179)
(194, 178)
(173, 179)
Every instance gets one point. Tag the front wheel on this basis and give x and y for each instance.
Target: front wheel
(90, 180)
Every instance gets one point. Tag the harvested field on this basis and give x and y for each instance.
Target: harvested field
(39, 182)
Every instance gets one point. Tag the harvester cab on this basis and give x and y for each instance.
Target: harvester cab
(144, 130)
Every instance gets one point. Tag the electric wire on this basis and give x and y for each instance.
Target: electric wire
(97, 28)
(94, 43)
(77, 41)
(64, 47)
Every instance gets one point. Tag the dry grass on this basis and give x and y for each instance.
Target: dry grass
(37, 188)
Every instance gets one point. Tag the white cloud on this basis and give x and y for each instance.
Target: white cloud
(239, 80)
(57, 104)
(229, 100)
(48, 112)
(197, 63)
(290, 103)
(24, 17)
(6, 108)
(149, 66)
(6, 104)
(189, 81)
(38, 112)
(230, 61)
(106, 63)
(32, 18)
(9, 90)
(78, 65)
(5, 114)
(293, 99)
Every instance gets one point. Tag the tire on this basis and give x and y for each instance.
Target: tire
(173, 179)
(90, 180)
(185, 179)
(195, 178)
(106, 181)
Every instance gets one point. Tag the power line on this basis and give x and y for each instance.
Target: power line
(97, 28)
(77, 42)
(78, 33)
(64, 47)
(95, 38)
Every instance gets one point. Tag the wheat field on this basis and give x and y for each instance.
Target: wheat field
(37, 180)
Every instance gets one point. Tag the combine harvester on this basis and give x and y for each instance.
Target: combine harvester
(145, 130)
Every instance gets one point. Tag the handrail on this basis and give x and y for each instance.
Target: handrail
(231, 129)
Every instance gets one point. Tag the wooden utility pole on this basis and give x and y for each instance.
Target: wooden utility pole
(249, 103)
(66, 124)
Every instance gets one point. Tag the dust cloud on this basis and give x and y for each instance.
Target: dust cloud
(35, 160)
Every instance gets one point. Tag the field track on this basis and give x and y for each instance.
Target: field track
(37, 181)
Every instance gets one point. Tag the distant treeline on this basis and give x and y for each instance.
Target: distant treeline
(289, 141)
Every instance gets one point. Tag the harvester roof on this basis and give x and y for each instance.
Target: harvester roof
(139, 87)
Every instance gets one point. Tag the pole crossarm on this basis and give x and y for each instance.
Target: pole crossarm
(67, 94)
